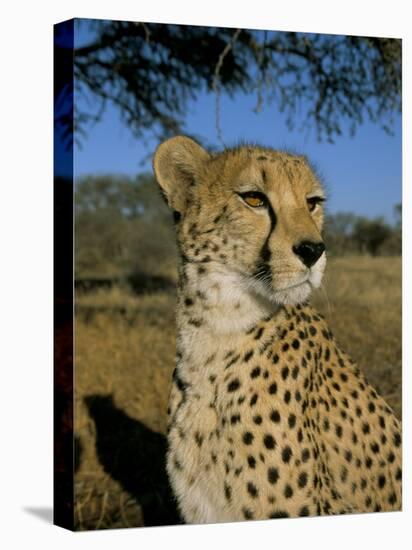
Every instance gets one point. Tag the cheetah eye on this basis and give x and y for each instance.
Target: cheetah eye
(253, 199)
(312, 202)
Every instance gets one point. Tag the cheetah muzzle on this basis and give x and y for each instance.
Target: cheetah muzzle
(267, 416)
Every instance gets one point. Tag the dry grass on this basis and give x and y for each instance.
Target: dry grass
(125, 348)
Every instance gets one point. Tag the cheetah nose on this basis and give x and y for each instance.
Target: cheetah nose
(309, 252)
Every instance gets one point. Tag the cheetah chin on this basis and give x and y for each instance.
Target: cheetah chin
(297, 289)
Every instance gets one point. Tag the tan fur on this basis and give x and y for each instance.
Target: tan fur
(267, 416)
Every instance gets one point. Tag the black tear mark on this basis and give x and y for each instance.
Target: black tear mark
(263, 267)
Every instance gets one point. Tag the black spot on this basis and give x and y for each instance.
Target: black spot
(251, 461)
(375, 447)
(263, 175)
(278, 514)
(233, 385)
(248, 438)
(295, 344)
(252, 490)
(269, 441)
(257, 419)
(287, 397)
(232, 361)
(285, 347)
(247, 514)
(253, 399)
(273, 388)
(286, 454)
(248, 356)
(392, 498)
(275, 358)
(273, 475)
(285, 372)
(259, 333)
(312, 330)
(305, 455)
(397, 439)
(235, 418)
(365, 428)
(338, 430)
(177, 465)
(288, 492)
(304, 511)
(188, 302)
(292, 421)
(327, 334)
(391, 458)
(275, 416)
(295, 372)
(255, 372)
(303, 479)
(228, 492)
(348, 456)
(345, 402)
(381, 481)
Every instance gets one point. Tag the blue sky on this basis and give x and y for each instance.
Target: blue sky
(363, 173)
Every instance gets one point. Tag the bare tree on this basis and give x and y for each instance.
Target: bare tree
(150, 71)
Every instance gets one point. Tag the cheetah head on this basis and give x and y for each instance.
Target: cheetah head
(251, 212)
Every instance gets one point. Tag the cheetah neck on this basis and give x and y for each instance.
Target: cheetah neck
(217, 300)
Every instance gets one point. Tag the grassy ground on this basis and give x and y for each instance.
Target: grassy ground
(124, 358)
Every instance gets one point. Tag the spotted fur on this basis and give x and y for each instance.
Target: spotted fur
(268, 417)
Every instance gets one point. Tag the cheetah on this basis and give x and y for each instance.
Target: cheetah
(267, 417)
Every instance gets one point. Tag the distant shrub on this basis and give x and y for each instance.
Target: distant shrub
(122, 225)
(345, 233)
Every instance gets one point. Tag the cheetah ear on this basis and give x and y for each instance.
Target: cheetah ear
(176, 164)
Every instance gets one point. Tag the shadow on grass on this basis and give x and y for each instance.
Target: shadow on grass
(139, 283)
(135, 456)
